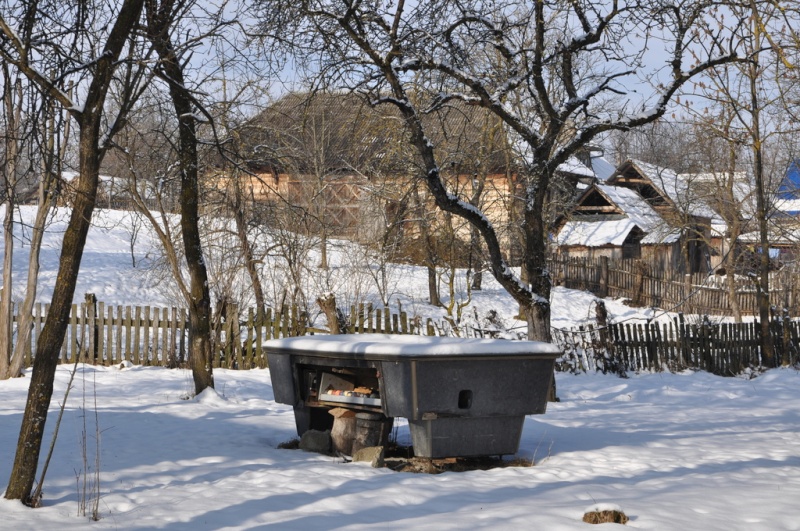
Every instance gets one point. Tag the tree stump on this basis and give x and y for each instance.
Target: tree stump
(372, 429)
(343, 432)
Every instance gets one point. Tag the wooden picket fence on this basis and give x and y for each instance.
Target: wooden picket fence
(649, 284)
(721, 348)
(146, 335)
(143, 335)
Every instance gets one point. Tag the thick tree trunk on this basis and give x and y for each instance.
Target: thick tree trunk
(336, 321)
(535, 261)
(200, 342)
(48, 345)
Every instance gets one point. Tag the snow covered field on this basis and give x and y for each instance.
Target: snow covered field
(674, 451)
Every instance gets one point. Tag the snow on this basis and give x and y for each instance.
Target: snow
(603, 169)
(411, 346)
(674, 451)
(608, 231)
(675, 187)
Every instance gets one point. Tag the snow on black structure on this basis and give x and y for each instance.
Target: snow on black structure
(462, 397)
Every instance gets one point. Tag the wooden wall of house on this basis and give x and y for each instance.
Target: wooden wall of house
(354, 212)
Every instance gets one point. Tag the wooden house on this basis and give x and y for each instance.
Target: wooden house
(617, 223)
(641, 211)
(350, 166)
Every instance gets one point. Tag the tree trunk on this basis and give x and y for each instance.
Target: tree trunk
(323, 250)
(336, 321)
(12, 91)
(48, 344)
(475, 262)
(51, 166)
(26, 310)
(433, 287)
(247, 249)
(767, 347)
(730, 279)
(537, 310)
(6, 307)
(200, 343)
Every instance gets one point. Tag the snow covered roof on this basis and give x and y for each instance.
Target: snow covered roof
(636, 212)
(788, 206)
(673, 186)
(575, 167)
(603, 169)
(779, 236)
(595, 233)
(409, 345)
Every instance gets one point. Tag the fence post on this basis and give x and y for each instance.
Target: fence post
(91, 314)
(687, 291)
(603, 288)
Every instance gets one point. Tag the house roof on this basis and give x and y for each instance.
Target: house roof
(603, 169)
(671, 186)
(778, 237)
(614, 227)
(350, 134)
(342, 131)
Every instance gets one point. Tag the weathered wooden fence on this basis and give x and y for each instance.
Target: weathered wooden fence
(143, 335)
(721, 348)
(146, 335)
(646, 284)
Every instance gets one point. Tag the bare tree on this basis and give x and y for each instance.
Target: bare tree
(162, 22)
(748, 92)
(50, 145)
(558, 74)
(12, 105)
(28, 54)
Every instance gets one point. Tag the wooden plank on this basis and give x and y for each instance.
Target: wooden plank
(248, 350)
(156, 358)
(137, 336)
(74, 351)
(101, 334)
(109, 321)
(128, 338)
(91, 328)
(235, 337)
(146, 324)
(118, 335)
(182, 353)
(173, 338)
(165, 353)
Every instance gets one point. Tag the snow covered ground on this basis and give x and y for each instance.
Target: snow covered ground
(107, 271)
(674, 451)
